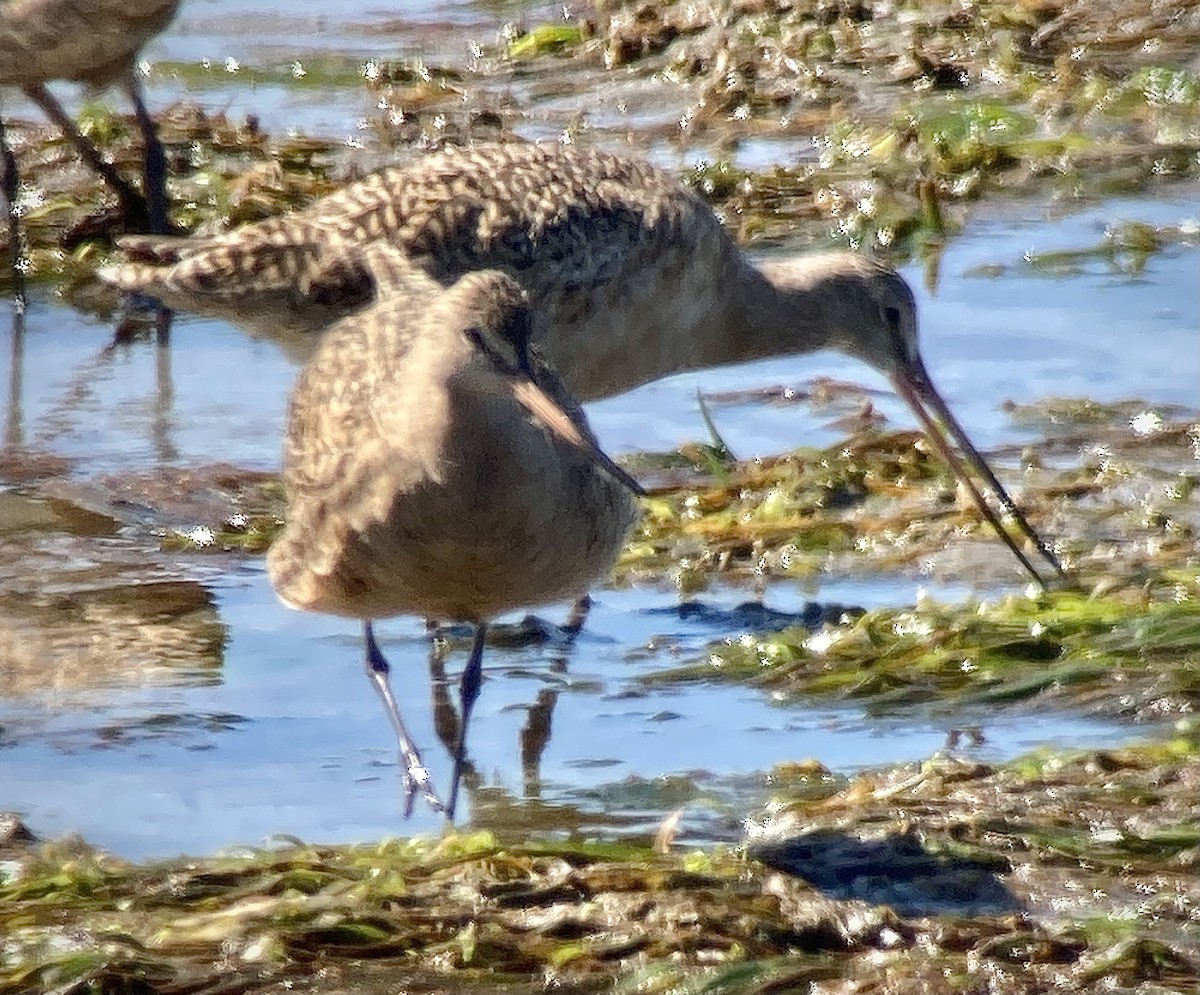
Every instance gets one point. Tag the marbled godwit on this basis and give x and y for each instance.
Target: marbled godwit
(632, 275)
(435, 466)
(93, 42)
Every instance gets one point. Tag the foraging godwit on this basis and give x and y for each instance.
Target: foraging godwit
(434, 466)
(631, 273)
(94, 42)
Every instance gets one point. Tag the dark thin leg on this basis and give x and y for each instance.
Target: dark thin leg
(154, 175)
(578, 618)
(416, 776)
(469, 685)
(133, 204)
(8, 194)
(445, 718)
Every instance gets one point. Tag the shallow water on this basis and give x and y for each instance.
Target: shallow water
(223, 717)
(279, 732)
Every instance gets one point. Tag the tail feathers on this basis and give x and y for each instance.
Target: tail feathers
(294, 581)
(133, 277)
(232, 271)
(164, 250)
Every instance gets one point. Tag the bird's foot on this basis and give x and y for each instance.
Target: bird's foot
(141, 316)
(417, 782)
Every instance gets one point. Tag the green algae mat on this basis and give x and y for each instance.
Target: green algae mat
(1072, 872)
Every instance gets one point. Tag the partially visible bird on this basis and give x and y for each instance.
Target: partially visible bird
(94, 42)
(631, 273)
(434, 466)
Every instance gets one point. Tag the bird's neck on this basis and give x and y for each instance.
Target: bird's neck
(765, 320)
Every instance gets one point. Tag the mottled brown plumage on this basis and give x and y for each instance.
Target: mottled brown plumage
(95, 42)
(88, 41)
(632, 275)
(435, 467)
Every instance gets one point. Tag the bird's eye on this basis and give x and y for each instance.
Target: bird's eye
(892, 316)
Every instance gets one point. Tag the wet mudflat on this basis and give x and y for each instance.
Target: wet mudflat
(818, 734)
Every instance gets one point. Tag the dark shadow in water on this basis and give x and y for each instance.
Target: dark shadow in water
(757, 616)
(530, 631)
(749, 615)
(895, 870)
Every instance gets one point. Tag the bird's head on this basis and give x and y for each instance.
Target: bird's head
(494, 313)
(867, 310)
(847, 302)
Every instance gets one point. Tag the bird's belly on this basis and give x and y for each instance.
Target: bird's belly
(505, 526)
(474, 569)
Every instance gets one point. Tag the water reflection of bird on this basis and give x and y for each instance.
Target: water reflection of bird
(633, 274)
(94, 42)
(434, 466)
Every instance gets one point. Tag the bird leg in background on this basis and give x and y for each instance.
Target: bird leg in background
(578, 618)
(415, 774)
(154, 177)
(8, 194)
(133, 204)
(469, 685)
(162, 325)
